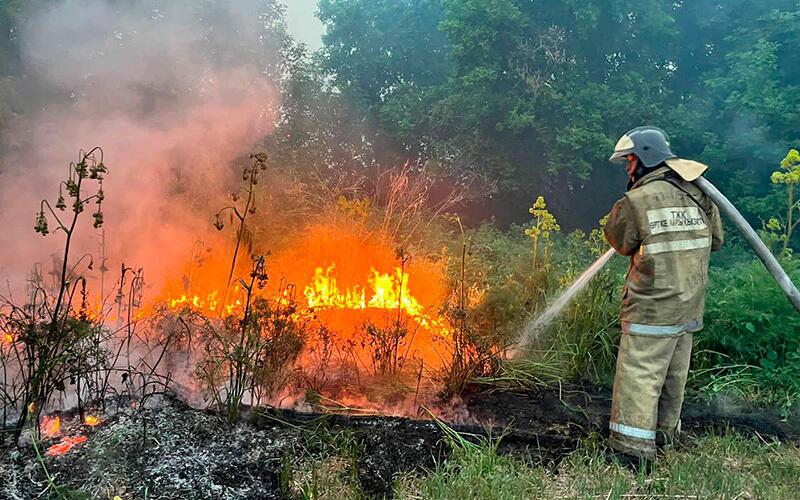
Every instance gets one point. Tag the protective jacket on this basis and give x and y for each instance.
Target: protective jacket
(668, 227)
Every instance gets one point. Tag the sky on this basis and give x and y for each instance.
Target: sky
(303, 25)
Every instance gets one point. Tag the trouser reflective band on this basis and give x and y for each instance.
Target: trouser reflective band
(662, 330)
(632, 431)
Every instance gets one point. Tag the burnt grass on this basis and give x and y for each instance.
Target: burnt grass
(171, 450)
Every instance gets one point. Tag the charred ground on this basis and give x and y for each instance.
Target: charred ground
(174, 451)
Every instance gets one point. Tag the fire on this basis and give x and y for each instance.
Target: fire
(349, 280)
(65, 445)
(210, 303)
(91, 420)
(386, 292)
(51, 425)
(344, 280)
(8, 338)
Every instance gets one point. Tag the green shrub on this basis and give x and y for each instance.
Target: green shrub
(750, 322)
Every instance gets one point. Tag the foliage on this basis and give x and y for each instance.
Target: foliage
(518, 94)
(475, 470)
(505, 291)
(701, 468)
(386, 343)
(587, 335)
(504, 284)
(545, 224)
(749, 322)
(251, 356)
(581, 345)
(499, 272)
(250, 176)
(472, 352)
(789, 178)
(51, 340)
(324, 464)
(515, 97)
(357, 210)
(527, 93)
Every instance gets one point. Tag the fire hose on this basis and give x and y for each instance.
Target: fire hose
(761, 250)
(727, 208)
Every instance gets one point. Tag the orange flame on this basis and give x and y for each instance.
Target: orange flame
(386, 292)
(91, 420)
(65, 445)
(346, 279)
(51, 425)
(210, 304)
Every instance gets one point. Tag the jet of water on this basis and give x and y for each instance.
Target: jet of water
(536, 326)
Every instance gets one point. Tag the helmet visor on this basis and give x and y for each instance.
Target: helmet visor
(619, 156)
(624, 146)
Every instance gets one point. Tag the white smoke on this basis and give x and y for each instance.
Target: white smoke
(173, 91)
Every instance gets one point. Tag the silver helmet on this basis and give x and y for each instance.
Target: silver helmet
(650, 144)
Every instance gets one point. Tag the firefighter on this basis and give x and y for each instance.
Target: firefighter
(668, 227)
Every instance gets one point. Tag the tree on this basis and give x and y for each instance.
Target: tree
(755, 91)
(532, 95)
(388, 59)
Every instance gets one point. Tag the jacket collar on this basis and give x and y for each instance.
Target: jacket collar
(652, 176)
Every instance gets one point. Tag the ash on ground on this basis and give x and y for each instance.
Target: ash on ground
(174, 451)
(170, 451)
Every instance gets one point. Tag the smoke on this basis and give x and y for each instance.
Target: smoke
(173, 91)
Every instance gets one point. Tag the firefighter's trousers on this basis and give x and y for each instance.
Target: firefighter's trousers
(648, 392)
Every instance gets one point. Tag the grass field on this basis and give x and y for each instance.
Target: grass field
(729, 466)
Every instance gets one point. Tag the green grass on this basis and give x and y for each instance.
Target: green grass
(728, 466)
(475, 473)
(708, 466)
(322, 477)
(322, 465)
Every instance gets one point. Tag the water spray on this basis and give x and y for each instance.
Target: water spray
(534, 328)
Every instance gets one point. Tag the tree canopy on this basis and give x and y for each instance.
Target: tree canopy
(534, 94)
(528, 96)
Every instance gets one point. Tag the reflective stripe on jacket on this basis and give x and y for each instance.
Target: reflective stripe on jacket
(669, 238)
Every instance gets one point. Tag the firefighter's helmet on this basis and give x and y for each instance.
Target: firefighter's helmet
(650, 144)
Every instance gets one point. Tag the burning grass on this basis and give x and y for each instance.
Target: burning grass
(327, 270)
(335, 309)
(339, 304)
(338, 318)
